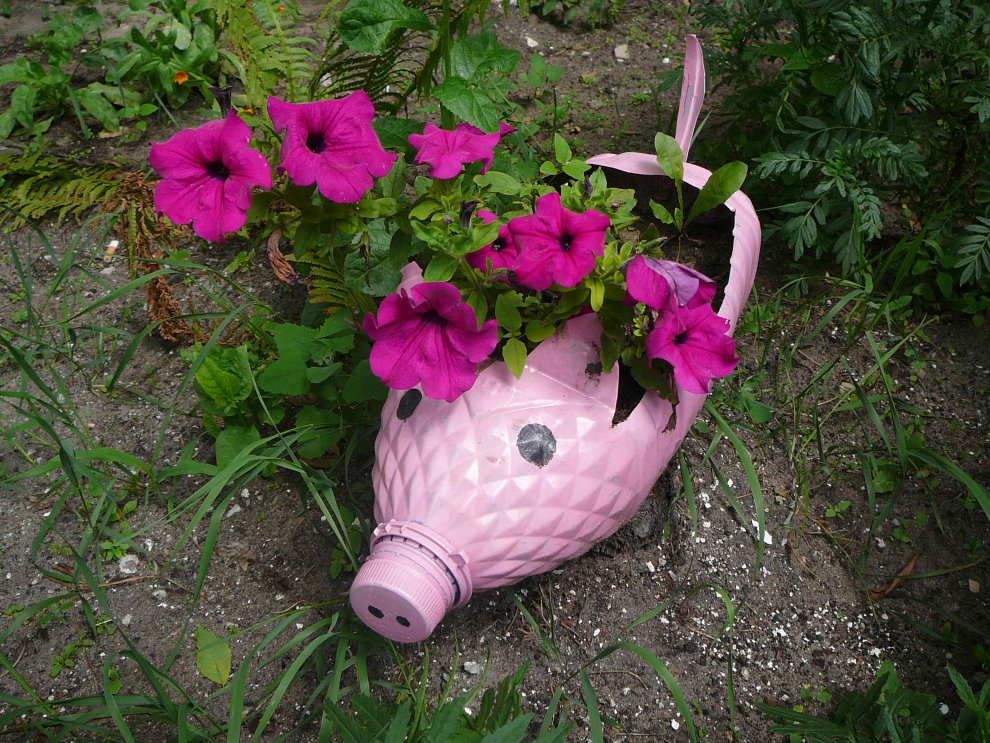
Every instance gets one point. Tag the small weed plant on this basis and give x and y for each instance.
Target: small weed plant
(888, 713)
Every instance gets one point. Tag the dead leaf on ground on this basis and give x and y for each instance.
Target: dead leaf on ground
(283, 270)
(880, 593)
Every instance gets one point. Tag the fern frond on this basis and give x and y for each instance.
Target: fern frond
(327, 286)
(36, 186)
(266, 48)
(388, 78)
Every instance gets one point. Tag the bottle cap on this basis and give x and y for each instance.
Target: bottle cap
(402, 591)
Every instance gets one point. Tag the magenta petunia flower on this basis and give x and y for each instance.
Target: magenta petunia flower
(331, 143)
(447, 152)
(207, 176)
(650, 281)
(501, 253)
(695, 341)
(429, 336)
(556, 245)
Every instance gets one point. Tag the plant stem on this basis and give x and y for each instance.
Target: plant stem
(446, 116)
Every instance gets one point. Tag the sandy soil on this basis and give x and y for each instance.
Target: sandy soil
(803, 619)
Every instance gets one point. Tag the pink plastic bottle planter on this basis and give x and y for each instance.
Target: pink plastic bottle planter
(516, 476)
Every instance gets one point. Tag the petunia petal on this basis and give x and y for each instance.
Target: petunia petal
(447, 152)
(556, 245)
(331, 143)
(209, 173)
(646, 276)
(695, 341)
(429, 336)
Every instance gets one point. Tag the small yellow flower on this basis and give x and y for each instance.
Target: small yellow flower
(180, 77)
(247, 111)
(281, 8)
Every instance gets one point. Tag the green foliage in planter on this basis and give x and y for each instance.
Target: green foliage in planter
(865, 118)
(888, 712)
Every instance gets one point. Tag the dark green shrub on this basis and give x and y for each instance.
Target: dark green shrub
(867, 119)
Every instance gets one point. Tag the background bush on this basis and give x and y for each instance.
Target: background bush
(868, 121)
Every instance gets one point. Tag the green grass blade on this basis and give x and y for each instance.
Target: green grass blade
(595, 729)
(752, 478)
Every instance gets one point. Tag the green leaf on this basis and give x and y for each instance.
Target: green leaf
(855, 102)
(441, 268)
(225, 375)
(394, 135)
(661, 212)
(514, 355)
(365, 25)
(371, 271)
(481, 235)
(720, 186)
(561, 150)
(362, 385)
(477, 56)
(512, 732)
(335, 334)
(183, 36)
(232, 440)
(479, 303)
(100, 108)
(758, 412)
(537, 331)
(506, 311)
(425, 208)
(448, 720)
(22, 105)
(499, 182)
(326, 431)
(945, 283)
(296, 346)
(318, 374)
(670, 156)
(575, 168)
(468, 102)
(597, 289)
(212, 656)
(21, 71)
(7, 122)
(828, 79)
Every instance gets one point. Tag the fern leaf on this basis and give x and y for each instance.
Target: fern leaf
(974, 252)
(38, 187)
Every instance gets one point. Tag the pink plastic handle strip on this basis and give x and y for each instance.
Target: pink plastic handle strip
(692, 94)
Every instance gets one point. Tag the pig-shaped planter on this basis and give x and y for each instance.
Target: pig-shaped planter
(518, 475)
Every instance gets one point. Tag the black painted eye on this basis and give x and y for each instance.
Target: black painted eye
(403, 621)
(536, 444)
(376, 612)
(408, 403)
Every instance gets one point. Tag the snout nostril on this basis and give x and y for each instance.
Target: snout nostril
(403, 621)
(376, 612)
